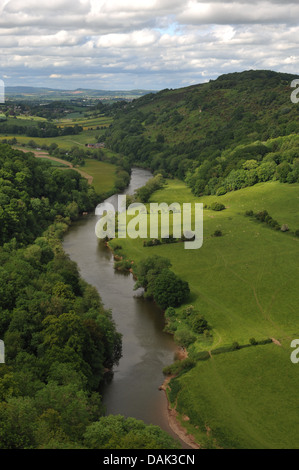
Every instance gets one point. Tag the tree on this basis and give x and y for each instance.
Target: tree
(148, 268)
(167, 289)
(117, 432)
(17, 423)
(184, 337)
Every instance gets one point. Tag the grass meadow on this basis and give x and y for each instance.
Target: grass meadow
(245, 283)
(103, 174)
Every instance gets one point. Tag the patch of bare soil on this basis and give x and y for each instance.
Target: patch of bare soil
(174, 423)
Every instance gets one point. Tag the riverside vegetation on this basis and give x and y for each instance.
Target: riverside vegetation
(59, 339)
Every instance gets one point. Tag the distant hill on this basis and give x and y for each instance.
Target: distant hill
(43, 93)
(204, 132)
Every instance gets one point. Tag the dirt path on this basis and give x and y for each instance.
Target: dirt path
(41, 154)
(275, 341)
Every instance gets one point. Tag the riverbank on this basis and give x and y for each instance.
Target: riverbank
(147, 349)
(172, 415)
(173, 419)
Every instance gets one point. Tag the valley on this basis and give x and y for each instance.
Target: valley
(231, 144)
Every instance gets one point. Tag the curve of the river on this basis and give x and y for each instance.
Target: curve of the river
(134, 388)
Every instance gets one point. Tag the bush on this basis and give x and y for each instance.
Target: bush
(184, 337)
(262, 215)
(179, 366)
(170, 312)
(123, 265)
(199, 324)
(188, 311)
(217, 233)
(168, 290)
(253, 341)
(217, 206)
(221, 191)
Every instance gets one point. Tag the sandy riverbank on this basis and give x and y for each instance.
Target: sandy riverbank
(172, 414)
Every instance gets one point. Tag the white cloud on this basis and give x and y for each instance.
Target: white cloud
(161, 43)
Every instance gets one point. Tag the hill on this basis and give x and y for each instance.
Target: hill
(205, 131)
(46, 94)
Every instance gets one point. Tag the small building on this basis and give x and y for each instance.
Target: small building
(98, 145)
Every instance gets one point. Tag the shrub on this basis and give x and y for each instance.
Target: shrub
(123, 265)
(179, 366)
(170, 312)
(167, 289)
(221, 191)
(184, 337)
(199, 324)
(188, 311)
(262, 215)
(253, 341)
(217, 233)
(217, 206)
(249, 213)
(235, 345)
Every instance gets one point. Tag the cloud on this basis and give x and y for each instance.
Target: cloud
(239, 12)
(149, 44)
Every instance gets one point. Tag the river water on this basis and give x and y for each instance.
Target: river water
(133, 390)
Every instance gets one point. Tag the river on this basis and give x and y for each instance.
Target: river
(133, 390)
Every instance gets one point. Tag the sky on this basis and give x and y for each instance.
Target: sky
(143, 44)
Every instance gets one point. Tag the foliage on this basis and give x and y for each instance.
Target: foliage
(117, 432)
(160, 283)
(143, 194)
(204, 135)
(217, 206)
(59, 339)
(32, 194)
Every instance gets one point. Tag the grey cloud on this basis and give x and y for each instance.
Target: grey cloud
(149, 44)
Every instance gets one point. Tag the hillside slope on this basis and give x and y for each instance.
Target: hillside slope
(205, 132)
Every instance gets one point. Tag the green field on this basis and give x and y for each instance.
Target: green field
(54, 163)
(245, 283)
(91, 131)
(103, 175)
(244, 399)
(65, 142)
(92, 122)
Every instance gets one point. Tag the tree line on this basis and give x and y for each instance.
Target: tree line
(59, 339)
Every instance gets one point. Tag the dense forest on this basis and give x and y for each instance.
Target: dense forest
(219, 136)
(59, 339)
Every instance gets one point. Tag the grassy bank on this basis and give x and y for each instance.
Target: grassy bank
(245, 283)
